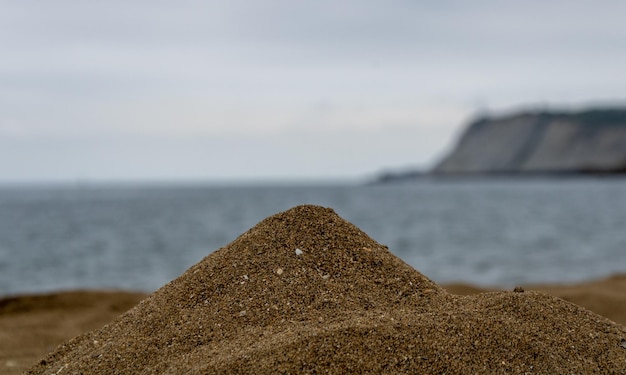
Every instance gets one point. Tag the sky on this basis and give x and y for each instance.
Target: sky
(283, 90)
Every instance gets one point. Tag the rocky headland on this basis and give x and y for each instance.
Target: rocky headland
(529, 143)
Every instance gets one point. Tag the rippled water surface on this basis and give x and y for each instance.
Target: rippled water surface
(488, 232)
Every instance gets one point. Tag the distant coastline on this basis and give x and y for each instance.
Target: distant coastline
(541, 144)
(413, 176)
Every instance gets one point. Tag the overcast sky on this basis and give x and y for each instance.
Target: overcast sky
(247, 90)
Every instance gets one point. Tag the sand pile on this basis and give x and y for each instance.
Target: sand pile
(306, 291)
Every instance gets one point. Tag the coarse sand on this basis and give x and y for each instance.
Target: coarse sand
(341, 304)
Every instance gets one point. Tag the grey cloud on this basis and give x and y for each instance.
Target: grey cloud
(321, 32)
(67, 64)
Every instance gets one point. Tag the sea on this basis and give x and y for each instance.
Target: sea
(493, 232)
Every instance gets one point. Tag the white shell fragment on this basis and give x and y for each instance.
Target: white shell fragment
(298, 252)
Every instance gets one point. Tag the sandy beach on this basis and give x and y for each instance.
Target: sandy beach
(32, 326)
(341, 303)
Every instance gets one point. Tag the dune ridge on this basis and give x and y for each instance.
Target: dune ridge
(306, 291)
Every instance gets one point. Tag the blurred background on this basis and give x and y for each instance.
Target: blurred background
(240, 90)
(138, 136)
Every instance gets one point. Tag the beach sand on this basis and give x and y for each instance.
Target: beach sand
(343, 303)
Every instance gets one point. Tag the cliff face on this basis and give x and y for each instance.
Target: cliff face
(542, 142)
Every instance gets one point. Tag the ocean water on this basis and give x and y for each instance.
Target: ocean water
(490, 232)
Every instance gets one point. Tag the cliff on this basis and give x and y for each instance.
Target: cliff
(592, 141)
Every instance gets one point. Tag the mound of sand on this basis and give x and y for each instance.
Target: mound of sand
(306, 291)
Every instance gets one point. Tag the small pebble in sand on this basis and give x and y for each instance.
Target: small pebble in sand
(298, 252)
(279, 271)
